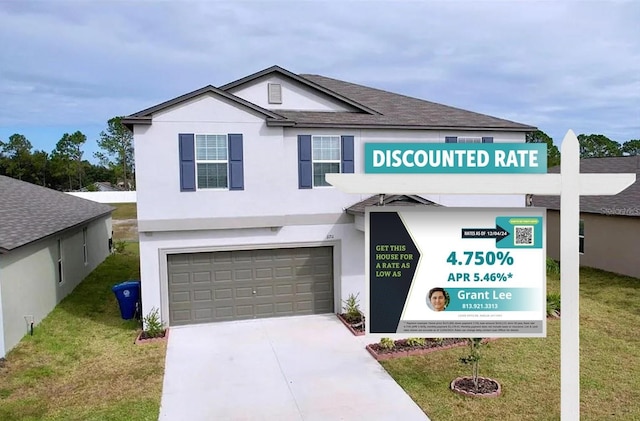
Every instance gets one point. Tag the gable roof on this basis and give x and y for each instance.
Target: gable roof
(375, 108)
(303, 81)
(29, 212)
(389, 199)
(625, 203)
(144, 116)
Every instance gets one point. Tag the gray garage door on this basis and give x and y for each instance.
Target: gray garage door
(247, 284)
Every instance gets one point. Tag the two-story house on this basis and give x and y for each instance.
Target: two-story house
(235, 217)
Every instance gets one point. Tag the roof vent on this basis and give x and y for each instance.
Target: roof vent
(275, 93)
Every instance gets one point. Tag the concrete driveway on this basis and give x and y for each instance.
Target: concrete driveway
(293, 368)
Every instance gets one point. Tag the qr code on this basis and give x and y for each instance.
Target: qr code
(524, 236)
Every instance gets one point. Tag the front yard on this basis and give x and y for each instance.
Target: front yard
(81, 363)
(529, 369)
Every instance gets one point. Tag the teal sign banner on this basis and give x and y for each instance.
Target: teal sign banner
(451, 158)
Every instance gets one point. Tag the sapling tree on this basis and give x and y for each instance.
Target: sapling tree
(474, 357)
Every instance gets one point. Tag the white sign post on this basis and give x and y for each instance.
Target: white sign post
(569, 185)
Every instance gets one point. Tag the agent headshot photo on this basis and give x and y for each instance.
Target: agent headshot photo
(438, 299)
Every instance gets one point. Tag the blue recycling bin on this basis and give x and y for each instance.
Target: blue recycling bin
(128, 295)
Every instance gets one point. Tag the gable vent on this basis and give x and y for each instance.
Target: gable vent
(275, 93)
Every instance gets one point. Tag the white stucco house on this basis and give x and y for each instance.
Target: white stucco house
(235, 218)
(49, 242)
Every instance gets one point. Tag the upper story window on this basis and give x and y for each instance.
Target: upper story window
(326, 158)
(212, 161)
(469, 139)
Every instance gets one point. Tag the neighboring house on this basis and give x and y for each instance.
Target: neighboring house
(101, 186)
(609, 233)
(236, 220)
(49, 242)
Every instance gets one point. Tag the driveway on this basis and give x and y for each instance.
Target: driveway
(292, 368)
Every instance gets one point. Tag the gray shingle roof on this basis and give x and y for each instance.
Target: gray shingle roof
(625, 203)
(396, 110)
(29, 212)
(389, 199)
(374, 108)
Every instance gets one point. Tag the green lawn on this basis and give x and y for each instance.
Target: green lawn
(81, 363)
(529, 369)
(124, 210)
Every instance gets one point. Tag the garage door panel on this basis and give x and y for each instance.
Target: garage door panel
(202, 295)
(219, 286)
(243, 275)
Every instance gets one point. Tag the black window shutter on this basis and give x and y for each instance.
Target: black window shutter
(347, 154)
(187, 162)
(488, 139)
(304, 162)
(451, 139)
(236, 166)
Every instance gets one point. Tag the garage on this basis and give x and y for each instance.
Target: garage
(247, 284)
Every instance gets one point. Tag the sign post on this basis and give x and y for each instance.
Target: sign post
(569, 185)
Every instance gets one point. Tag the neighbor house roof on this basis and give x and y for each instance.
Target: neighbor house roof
(389, 199)
(29, 212)
(372, 108)
(625, 203)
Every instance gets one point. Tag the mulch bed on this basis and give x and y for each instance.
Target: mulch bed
(356, 328)
(402, 345)
(144, 337)
(488, 388)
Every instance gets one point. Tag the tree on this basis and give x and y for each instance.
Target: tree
(553, 154)
(631, 147)
(117, 145)
(68, 154)
(40, 166)
(17, 154)
(598, 146)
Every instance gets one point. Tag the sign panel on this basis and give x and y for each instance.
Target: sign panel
(449, 158)
(456, 272)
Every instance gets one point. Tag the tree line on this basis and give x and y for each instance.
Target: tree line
(64, 168)
(591, 146)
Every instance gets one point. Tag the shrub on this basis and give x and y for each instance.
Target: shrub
(553, 267)
(152, 325)
(119, 247)
(387, 343)
(416, 341)
(352, 309)
(553, 305)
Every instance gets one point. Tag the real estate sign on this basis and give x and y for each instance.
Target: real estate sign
(456, 272)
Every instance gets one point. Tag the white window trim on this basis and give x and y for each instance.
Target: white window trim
(325, 161)
(85, 250)
(211, 161)
(60, 262)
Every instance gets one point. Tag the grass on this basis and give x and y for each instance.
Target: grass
(529, 369)
(125, 223)
(124, 211)
(81, 363)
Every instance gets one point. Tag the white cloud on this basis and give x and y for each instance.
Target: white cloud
(556, 65)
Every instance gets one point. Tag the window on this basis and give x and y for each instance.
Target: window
(469, 140)
(60, 268)
(84, 246)
(212, 161)
(326, 158)
(581, 237)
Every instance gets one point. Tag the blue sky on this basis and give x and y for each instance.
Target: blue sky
(558, 65)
